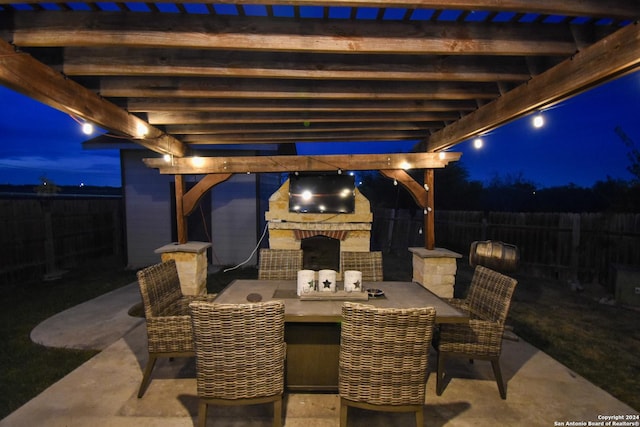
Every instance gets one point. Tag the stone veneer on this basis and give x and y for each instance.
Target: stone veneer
(191, 262)
(435, 270)
(287, 229)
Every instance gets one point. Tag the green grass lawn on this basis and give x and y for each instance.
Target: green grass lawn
(599, 342)
(26, 369)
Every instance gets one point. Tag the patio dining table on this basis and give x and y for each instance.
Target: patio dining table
(312, 327)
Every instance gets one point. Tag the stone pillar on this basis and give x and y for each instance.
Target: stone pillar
(435, 269)
(191, 261)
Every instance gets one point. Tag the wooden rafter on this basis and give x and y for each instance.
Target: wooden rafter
(604, 60)
(609, 8)
(127, 30)
(24, 74)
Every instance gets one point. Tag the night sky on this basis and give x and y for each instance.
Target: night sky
(577, 145)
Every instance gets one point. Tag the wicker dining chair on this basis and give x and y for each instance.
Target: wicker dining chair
(167, 315)
(487, 303)
(279, 264)
(240, 354)
(369, 263)
(384, 353)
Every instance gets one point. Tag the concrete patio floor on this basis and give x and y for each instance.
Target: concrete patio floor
(102, 392)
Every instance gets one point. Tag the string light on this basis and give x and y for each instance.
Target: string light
(478, 143)
(538, 121)
(142, 130)
(87, 128)
(197, 161)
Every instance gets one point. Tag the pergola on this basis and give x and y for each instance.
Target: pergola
(182, 76)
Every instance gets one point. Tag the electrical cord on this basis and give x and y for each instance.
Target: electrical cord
(266, 226)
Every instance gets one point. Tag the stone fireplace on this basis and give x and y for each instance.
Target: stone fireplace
(291, 230)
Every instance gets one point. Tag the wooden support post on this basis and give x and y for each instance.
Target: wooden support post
(181, 218)
(429, 217)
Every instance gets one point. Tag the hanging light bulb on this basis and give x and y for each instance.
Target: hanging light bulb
(478, 143)
(87, 128)
(142, 130)
(395, 181)
(538, 121)
(420, 231)
(197, 161)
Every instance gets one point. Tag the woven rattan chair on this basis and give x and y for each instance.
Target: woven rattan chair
(384, 355)
(487, 304)
(167, 315)
(279, 264)
(369, 263)
(240, 354)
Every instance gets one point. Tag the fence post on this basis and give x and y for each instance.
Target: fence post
(483, 228)
(390, 229)
(117, 230)
(575, 245)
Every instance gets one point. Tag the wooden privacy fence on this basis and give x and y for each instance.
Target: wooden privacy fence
(41, 236)
(559, 245)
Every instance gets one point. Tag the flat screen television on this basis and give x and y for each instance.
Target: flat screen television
(321, 193)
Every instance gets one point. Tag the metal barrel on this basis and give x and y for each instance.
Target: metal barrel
(498, 256)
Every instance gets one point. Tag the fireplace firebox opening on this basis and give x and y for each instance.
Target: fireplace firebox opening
(320, 252)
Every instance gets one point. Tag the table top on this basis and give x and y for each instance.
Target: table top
(396, 295)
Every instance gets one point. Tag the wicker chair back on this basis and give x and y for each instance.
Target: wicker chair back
(490, 294)
(279, 264)
(159, 288)
(240, 349)
(369, 263)
(384, 353)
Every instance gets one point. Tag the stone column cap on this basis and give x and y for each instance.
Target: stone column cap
(434, 253)
(192, 247)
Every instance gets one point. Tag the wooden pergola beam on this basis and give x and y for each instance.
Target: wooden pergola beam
(260, 164)
(423, 196)
(417, 191)
(193, 196)
(24, 74)
(193, 31)
(609, 8)
(611, 57)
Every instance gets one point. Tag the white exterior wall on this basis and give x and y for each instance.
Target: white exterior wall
(147, 208)
(148, 214)
(233, 220)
